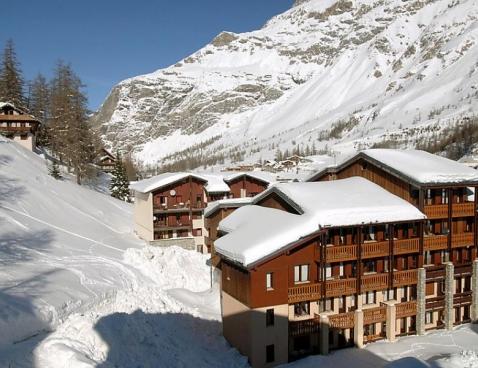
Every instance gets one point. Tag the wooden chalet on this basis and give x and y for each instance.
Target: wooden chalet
(307, 273)
(105, 160)
(19, 126)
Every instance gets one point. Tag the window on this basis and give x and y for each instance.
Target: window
(328, 271)
(162, 199)
(270, 317)
(369, 266)
(301, 309)
(369, 330)
(369, 297)
(428, 317)
(269, 281)
(388, 295)
(270, 353)
(428, 257)
(444, 196)
(301, 273)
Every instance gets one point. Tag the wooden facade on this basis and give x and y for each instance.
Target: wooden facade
(339, 271)
(246, 186)
(176, 206)
(19, 126)
(106, 160)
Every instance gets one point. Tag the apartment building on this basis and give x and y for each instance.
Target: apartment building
(169, 208)
(380, 246)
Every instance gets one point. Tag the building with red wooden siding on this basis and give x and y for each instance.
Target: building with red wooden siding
(380, 246)
(169, 208)
(18, 125)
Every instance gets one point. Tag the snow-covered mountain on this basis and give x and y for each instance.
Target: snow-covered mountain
(335, 74)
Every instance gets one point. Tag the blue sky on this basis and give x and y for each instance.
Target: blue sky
(107, 41)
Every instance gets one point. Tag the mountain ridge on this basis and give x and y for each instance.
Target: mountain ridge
(367, 71)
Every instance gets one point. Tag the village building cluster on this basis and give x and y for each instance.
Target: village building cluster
(381, 245)
(169, 208)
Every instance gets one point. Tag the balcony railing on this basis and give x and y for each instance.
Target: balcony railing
(375, 249)
(462, 240)
(341, 253)
(342, 320)
(304, 292)
(435, 242)
(462, 298)
(402, 278)
(374, 315)
(301, 328)
(14, 129)
(435, 211)
(340, 287)
(169, 224)
(406, 309)
(405, 246)
(378, 281)
(463, 209)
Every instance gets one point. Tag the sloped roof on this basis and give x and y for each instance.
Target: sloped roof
(215, 184)
(162, 180)
(226, 203)
(418, 167)
(256, 232)
(259, 175)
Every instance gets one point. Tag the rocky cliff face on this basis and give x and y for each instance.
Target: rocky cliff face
(338, 74)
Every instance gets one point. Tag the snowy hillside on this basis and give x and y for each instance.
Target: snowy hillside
(78, 290)
(335, 74)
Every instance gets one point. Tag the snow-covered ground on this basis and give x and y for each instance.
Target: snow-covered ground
(78, 289)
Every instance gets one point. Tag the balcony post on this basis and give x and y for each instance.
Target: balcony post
(421, 293)
(358, 328)
(324, 334)
(421, 255)
(474, 292)
(449, 284)
(391, 320)
(450, 223)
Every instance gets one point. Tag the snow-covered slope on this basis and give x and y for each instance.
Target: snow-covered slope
(334, 74)
(61, 246)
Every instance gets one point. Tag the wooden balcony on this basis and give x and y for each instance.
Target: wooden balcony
(463, 209)
(15, 129)
(406, 309)
(462, 240)
(436, 211)
(162, 225)
(340, 287)
(463, 270)
(342, 320)
(375, 249)
(462, 298)
(406, 246)
(374, 315)
(377, 281)
(301, 328)
(435, 242)
(341, 253)
(304, 292)
(402, 278)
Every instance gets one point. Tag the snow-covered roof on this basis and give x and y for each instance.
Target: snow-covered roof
(226, 203)
(2, 104)
(215, 184)
(148, 185)
(424, 167)
(256, 232)
(260, 175)
(419, 166)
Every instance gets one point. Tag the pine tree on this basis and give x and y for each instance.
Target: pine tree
(38, 107)
(71, 137)
(11, 79)
(119, 186)
(54, 170)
